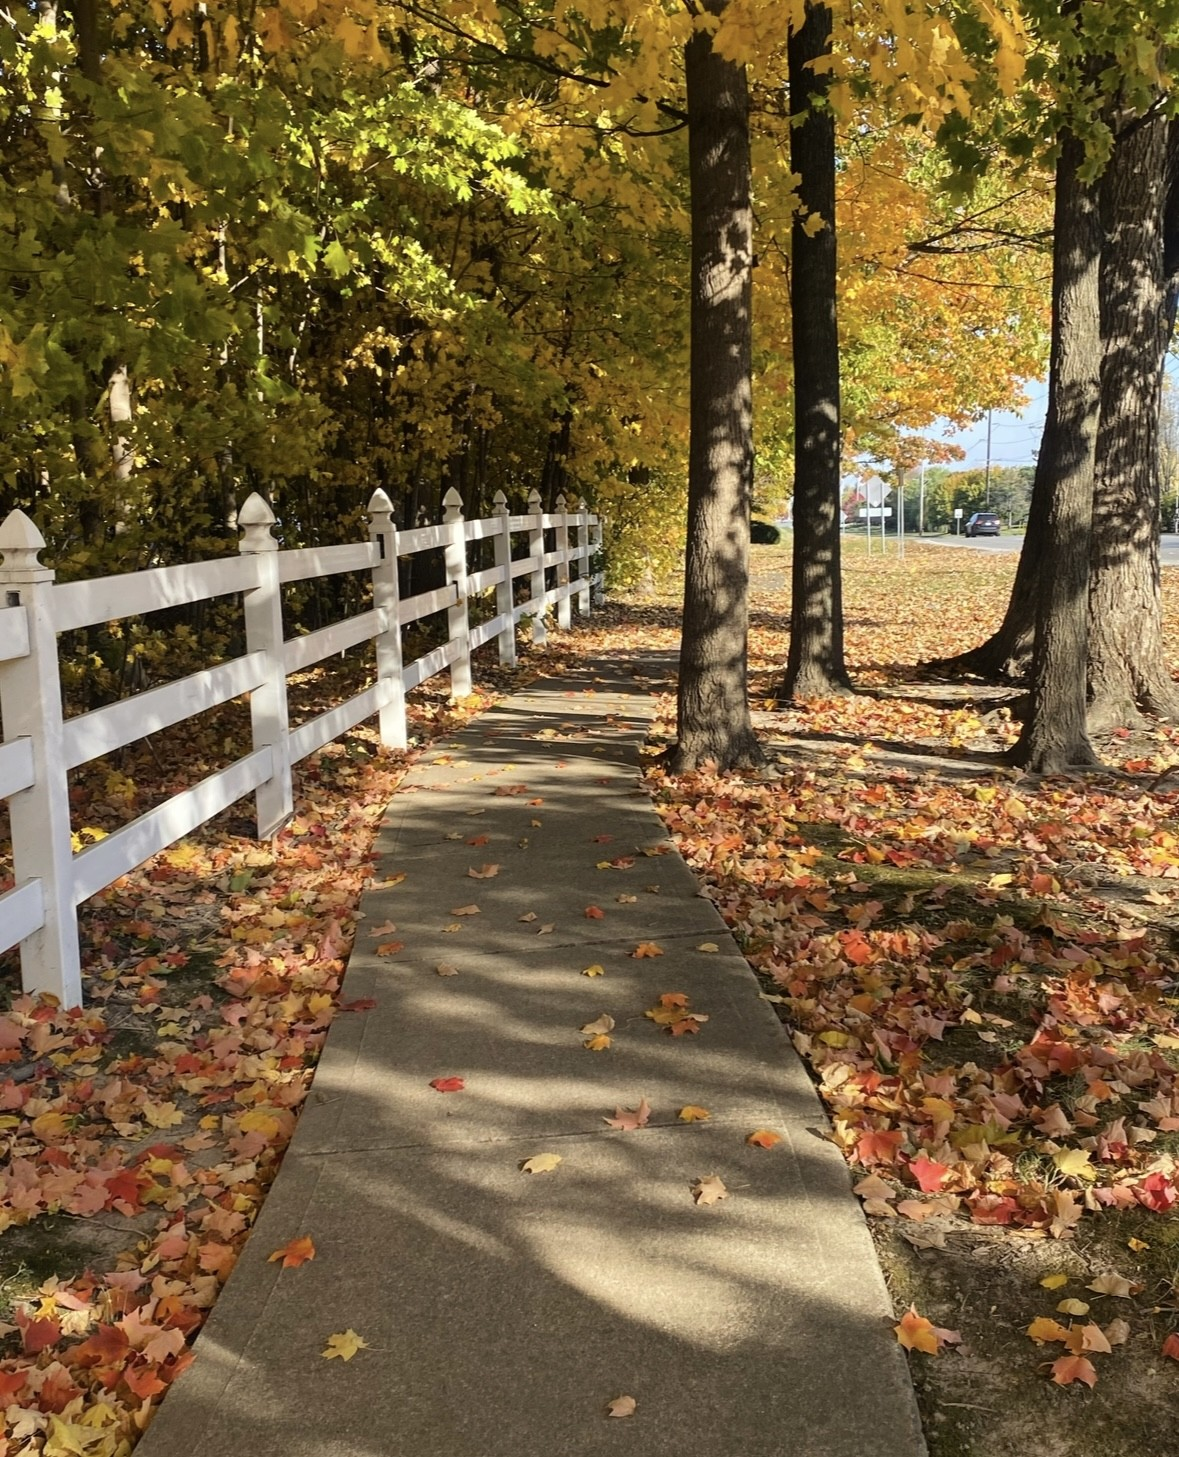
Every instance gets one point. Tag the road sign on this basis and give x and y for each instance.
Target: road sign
(874, 513)
(958, 513)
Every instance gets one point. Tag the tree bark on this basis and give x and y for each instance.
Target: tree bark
(1127, 667)
(713, 709)
(1054, 734)
(815, 666)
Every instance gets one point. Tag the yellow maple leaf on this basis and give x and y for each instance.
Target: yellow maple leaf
(345, 1345)
(540, 1163)
(692, 1114)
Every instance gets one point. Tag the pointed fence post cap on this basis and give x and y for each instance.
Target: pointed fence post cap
(454, 505)
(500, 503)
(534, 497)
(255, 519)
(379, 503)
(561, 502)
(19, 533)
(582, 504)
(20, 541)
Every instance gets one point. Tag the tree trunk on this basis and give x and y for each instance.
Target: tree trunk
(815, 666)
(1127, 669)
(713, 718)
(1054, 734)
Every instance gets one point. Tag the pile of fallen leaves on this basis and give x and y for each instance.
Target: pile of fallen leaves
(980, 968)
(140, 1134)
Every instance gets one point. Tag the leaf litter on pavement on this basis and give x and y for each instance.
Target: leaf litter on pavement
(140, 1134)
(979, 970)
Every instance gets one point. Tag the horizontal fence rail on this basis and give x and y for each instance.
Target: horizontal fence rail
(41, 746)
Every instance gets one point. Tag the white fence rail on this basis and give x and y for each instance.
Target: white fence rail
(40, 745)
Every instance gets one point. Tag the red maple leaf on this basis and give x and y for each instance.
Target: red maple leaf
(448, 1085)
(1157, 1192)
(929, 1175)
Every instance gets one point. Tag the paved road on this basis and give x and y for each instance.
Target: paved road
(1012, 541)
(503, 1309)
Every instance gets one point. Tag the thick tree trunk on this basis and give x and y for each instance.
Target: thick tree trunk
(1054, 734)
(714, 722)
(815, 666)
(1127, 669)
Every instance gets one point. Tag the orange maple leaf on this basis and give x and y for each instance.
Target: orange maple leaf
(1073, 1368)
(646, 948)
(295, 1252)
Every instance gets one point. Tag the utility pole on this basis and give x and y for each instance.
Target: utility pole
(988, 476)
(921, 504)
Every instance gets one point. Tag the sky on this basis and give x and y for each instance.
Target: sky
(1014, 437)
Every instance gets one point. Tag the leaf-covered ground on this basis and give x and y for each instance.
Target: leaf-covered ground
(138, 1137)
(981, 970)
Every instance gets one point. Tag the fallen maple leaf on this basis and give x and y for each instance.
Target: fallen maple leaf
(627, 1121)
(1073, 1368)
(444, 968)
(386, 928)
(358, 1004)
(929, 1175)
(1111, 1284)
(294, 1253)
(604, 1023)
(622, 1406)
(1054, 1282)
(691, 1114)
(345, 1345)
(763, 1138)
(390, 948)
(594, 970)
(646, 948)
(541, 1163)
(916, 1333)
(1044, 1328)
(709, 1190)
(1171, 1346)
(485, 872)
(448, 1085)
(471, 910)
(708, 946)
(1072, 1306)
(594, 913)
(1117, 1332)
(598, 1043)
(1093, 1338)
(527, 916)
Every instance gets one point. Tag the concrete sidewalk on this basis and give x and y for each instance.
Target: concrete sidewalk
(504, 1310)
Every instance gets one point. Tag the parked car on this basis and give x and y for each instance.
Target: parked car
(983, 523)
(761, 533)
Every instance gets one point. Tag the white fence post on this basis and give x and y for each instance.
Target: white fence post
(536, 552)
(595, 541)
(503, 590)
(387, 598)
(583, 542)
(458, 621)
(564, 605)
(274, 799)
(30, 702)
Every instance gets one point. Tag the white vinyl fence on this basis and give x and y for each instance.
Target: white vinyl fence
(40, 745)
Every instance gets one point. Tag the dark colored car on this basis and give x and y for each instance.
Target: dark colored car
(761, 533)
(983, 523)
